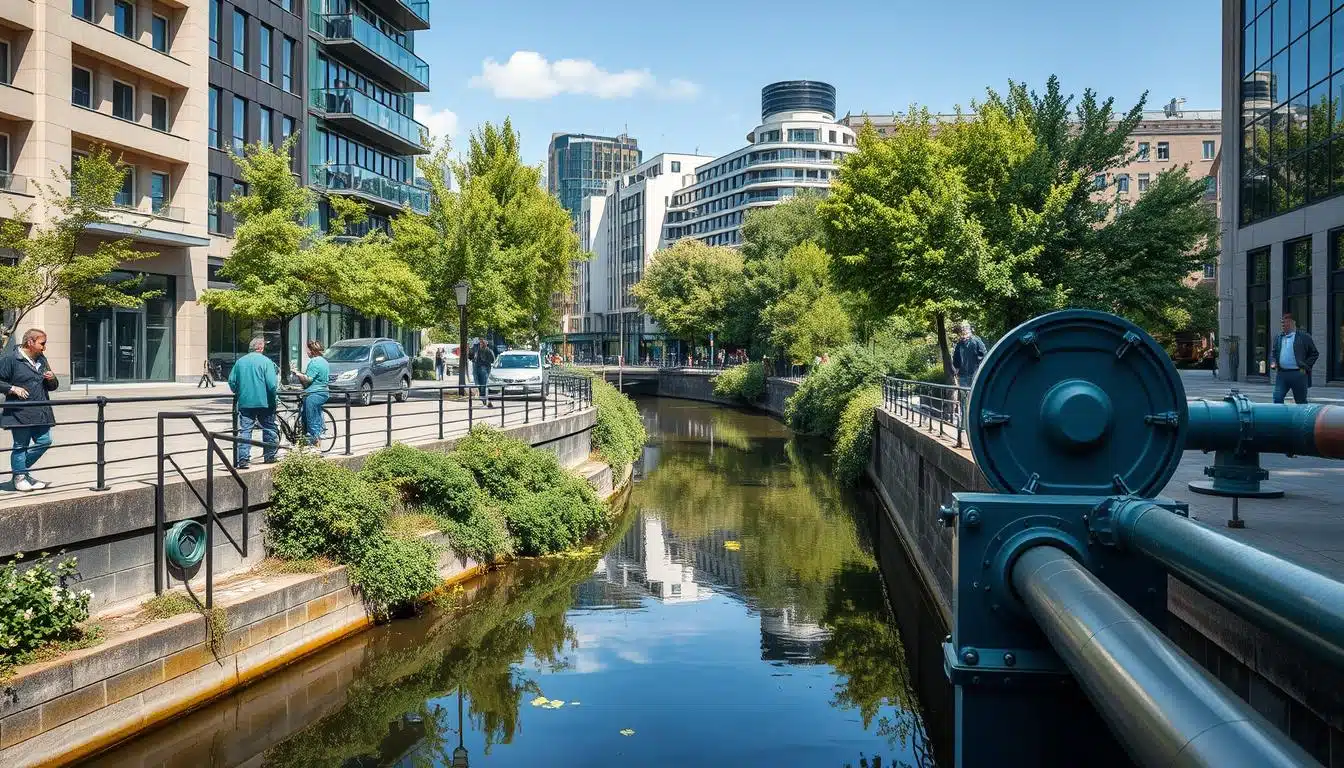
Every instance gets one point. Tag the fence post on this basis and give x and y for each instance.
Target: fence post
(158, 518)
(102, 446)
(545, 384)
(501, 403)
(440, 413)
(470, 399)
(527, 406)
(389, 419)
(347, 424)
(209, 528)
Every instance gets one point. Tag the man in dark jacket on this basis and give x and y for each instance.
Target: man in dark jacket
(966, 356)
(1293, 357)
(25, 376)
(482, 359)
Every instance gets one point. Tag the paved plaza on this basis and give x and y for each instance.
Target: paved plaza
(132, 432)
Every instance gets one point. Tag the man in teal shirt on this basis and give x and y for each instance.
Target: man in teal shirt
(255, 380)
(315, 391)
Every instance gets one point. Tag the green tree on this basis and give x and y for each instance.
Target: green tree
(283, 267)
(807, 316)
(689, 288)
(500, 231)
(55, 260)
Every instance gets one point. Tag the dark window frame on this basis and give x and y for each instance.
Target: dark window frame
(1257, 294)
(158, 42)
(128, 87)
(1296, 281)
(90, 90)
(1334, 370)
(154, 101)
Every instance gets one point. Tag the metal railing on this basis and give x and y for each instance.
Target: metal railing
(102, 440)
(928, 405)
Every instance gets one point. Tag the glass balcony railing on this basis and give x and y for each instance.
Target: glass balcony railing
(419, 8)
(13, 182)
(352, 178)
(349, 26)
(348, 101)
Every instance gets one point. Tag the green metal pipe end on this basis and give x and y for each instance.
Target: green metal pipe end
(184, 544)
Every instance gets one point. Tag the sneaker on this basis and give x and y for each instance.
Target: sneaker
(22, 484)
(241, 466)
(37, 484)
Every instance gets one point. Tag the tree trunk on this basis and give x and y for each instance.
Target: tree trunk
(940, 328)
(284, 349)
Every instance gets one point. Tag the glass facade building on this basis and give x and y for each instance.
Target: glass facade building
(579, 166)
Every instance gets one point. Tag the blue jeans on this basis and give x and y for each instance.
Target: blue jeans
(482, 375)
(248, 420)
(29, 445)
(312, 415)
(1294, 381)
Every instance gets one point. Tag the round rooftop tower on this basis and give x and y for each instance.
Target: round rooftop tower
(797, 96)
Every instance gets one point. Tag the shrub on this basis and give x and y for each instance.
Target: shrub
(555, 519)
(422, 368)
(482, 535)
(854, 436)
(319, 508)
(816, 407)
(506, 468)
(427, 479)
(395, 570)
(618, 435)
(744, 382)
(38, 608)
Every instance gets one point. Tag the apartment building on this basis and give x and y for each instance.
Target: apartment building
(133, 75)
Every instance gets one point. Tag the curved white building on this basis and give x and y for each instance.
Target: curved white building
(795, 148)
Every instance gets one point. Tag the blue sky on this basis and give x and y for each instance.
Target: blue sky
(687, 75)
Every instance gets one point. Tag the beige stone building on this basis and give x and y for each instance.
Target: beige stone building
(134, 76)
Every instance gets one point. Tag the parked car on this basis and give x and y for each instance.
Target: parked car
(363, 366)
(520, 372)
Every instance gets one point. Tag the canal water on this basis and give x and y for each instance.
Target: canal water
(737, 616)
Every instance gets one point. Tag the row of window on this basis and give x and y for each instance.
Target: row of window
(336, 149)
(333, 74)
(1296, 299)
(83, 94)
(397, 34)
(160, 187)
(212, 200)
(265, 37)
(124, 21)
(800, 135)
(239, 137)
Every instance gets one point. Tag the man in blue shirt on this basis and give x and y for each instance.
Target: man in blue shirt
(255, 380)
(1293, 357)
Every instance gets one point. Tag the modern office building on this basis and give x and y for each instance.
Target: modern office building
(795, 149)
(623, 229)
(1283, 234)
(132, 76)
(579, 166)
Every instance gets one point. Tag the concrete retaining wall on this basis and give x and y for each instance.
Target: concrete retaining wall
(915, 472)
(112, 533)
(697, 385)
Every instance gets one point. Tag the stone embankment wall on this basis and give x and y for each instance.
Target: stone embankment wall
(697, 385)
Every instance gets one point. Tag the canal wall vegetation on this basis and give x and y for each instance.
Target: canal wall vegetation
(350, 541)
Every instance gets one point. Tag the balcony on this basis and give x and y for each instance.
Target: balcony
(127, 135)
(15, 195)
(19, 13)
(166, 227)
(371, 50)
(17, 104)
(410, 15)
(379, 190)
(363, 117)
(105, 44)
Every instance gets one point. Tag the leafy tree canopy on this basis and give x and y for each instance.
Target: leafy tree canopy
(689, 288)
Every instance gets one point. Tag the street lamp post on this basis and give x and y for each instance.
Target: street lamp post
(462, 289)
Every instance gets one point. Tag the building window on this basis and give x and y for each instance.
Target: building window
(81, 87)
(1143, 183)
(265, 42)
(1121, 209)
(676, 166)
(159, 34)
(264, 118)
(216, 7)
(1210, 270)
(123, 100)
(1163, 151)
(1336, 368)
(126, 195)
(831, 137)
(212, 209)
(1208, 150)
(1211, 187)
(1257, 312)
(1099, 182)
(5, 72)
(159, 113)
(239, 191)
(158, 192)
(286, 127)
(239, 40)
(214, 117)
(1143, 151)
(83, 9)
(239, 124)
(287, 64)
(125, 18)
(806, 135)
(1122, 183)
(1297, 281)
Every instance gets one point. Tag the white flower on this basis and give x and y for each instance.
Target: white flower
(85, 593)
(28, 615)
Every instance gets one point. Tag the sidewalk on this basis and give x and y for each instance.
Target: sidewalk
(1201, 384)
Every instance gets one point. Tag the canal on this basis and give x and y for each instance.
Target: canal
(737, 616)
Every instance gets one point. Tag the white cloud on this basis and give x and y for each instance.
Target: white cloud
(442, 124)
(528, 75)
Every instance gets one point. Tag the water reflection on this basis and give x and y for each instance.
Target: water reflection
(736, 617)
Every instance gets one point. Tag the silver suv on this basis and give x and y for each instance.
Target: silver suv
(365, 366)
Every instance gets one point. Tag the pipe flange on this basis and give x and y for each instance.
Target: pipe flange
(997, 587)
(1245, 417)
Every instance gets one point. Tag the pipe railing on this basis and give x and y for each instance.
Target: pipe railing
(928, 405)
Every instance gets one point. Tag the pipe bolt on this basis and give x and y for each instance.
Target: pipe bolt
(972, 518)
(1009, 660)
(970, 657)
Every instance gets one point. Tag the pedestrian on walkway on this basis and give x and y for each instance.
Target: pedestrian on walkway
(207, 375)
(255, 380)
(26, 376)
(438, 364)
(482, 358)
(967, 354)
(1294, 356)
(315, 391)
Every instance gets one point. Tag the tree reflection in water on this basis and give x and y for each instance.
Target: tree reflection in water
(804, 565)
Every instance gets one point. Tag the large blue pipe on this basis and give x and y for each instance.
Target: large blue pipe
(1237, 424)
(1269, 591)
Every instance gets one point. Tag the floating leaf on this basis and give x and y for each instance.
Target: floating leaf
(732, 546)
(540, 701)
(554, 704)
(627, 732)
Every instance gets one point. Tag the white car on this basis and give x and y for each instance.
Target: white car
(520, 372)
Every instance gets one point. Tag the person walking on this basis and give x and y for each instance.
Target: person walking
(438, 363)
(256, 381)
(26, 376)
(207, 376)
(966, 355)
(1294, 356)
(482, 358)
(316, 393)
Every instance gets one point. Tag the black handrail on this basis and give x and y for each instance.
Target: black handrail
(927, 404)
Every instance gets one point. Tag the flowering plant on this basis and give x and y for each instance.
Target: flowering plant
(37, 606)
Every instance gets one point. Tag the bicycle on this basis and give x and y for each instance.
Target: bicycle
(289, 422)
